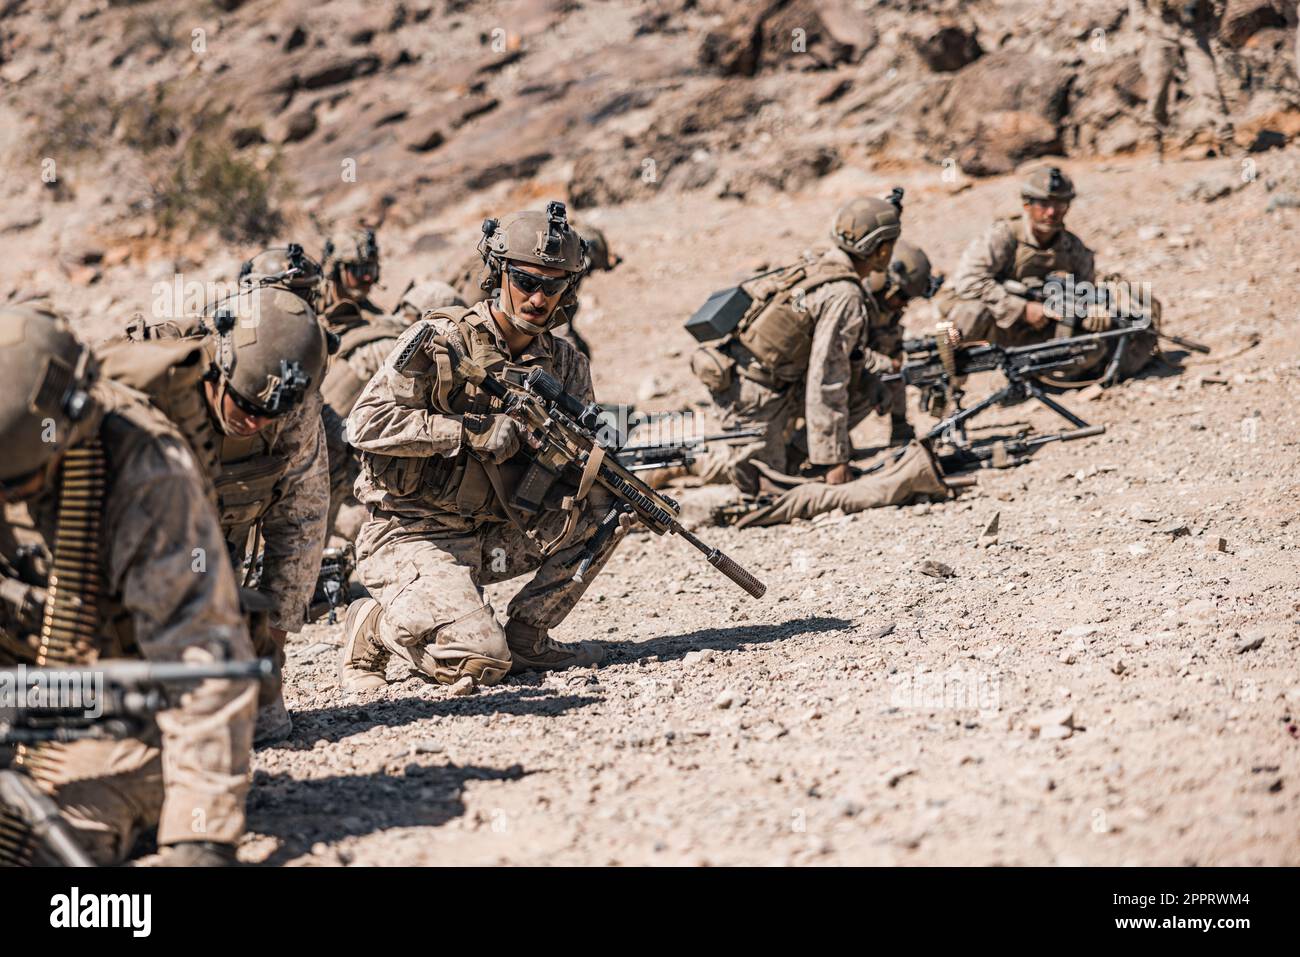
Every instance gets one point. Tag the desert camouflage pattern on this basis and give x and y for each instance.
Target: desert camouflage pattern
(1168, 44)
(430, 545)
(982, 308)
(170, 596)
(841, 312)
(293, 528)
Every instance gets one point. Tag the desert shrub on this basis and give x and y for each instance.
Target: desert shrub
(212, 187)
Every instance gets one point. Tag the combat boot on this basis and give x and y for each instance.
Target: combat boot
(532, 649)
(273, 723)
(364, 658)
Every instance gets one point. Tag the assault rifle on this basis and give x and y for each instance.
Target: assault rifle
(566, 438)
(106, 700)
(1007, 453)
(642, 458)
(938, 366)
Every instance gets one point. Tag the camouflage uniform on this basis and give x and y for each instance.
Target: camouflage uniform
(425, 297)
(366, 335)
(833, 394)
(982, 308)
(271, 489)
(365, 340)
(190, 777)
(909, 277)
(438, 529)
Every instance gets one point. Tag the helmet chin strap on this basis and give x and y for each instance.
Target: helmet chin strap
(219, 406)
(519, 322)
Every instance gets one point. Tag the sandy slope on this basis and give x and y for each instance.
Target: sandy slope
(879, 715)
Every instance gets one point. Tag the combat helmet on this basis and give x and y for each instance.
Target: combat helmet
(46, 406)
(861, 225)
(910, 272)
(1047, 182)
(538, 239)
(596, 245)
(286, 266)
(351, 247)
(270, 350)
(422, 297)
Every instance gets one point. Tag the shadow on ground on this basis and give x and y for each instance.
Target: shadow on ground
(672, 647)
(340, 721)
(302, 813)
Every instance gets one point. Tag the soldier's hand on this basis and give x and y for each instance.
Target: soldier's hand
(1096, 322)
(1035, 316)
(198, 854)
(839, 474)
(493, 437)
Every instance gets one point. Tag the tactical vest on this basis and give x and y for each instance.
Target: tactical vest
(342, 386)
(778, 328)
(459, 483)
(1031, 262)
(244, 473)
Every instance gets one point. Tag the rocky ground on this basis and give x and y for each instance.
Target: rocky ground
(1113, 682)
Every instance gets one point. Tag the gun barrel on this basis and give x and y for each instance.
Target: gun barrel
(130, 672)
(724, 564)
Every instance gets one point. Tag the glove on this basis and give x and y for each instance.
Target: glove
(1096, 322)
(199, 854)
(493, 437)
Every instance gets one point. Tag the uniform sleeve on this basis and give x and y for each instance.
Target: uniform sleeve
(841, 313)
(168, 560)
(395, 414)
(882, 339)
(294, 527)
(983, 264)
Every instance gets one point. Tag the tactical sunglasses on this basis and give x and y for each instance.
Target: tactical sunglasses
(529, 282)
(249, 407)
(362, 273)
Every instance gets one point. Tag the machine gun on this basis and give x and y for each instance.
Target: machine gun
(1006, 453)
(642, 458)
(106, 700)
(940, 367)
(565, 436)
(1070, 301)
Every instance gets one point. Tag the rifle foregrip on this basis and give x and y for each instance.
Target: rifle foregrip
(737, 574)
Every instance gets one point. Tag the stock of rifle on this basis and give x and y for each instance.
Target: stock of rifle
(565, 436)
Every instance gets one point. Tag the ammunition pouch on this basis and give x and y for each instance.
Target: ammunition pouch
(778, 328)
(714, 368)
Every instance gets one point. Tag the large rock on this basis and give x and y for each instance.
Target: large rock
(1003, 109)
(787, 34)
